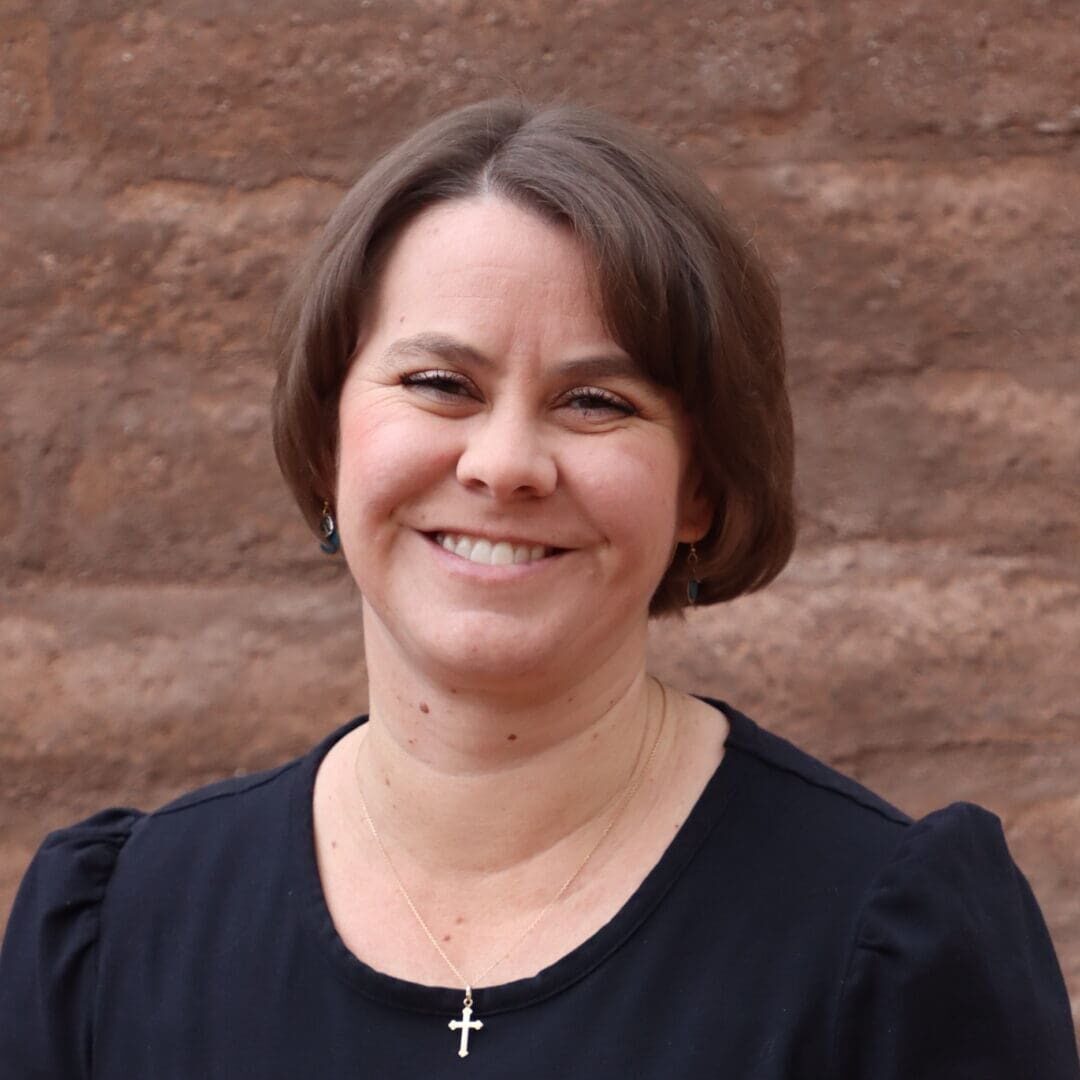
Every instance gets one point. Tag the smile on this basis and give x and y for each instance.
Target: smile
(491, 553)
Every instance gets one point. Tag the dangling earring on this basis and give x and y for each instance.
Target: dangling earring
(693, 585)
(331, 543)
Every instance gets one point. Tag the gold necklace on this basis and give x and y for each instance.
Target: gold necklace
(467, 1024)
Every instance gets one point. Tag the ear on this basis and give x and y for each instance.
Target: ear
(696, 508)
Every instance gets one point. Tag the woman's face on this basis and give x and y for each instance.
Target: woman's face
(489, 412)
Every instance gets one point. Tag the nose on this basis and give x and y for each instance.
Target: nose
(505, 456)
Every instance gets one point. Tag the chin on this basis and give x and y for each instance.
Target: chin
(482, 645)
(490, 673)
(486, 649)
(493, 650)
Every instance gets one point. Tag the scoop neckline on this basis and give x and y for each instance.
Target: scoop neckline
(575, 965)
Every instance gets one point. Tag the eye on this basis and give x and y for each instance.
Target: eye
(591, 401)
(443, 385)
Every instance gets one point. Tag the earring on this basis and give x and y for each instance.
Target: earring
(331, 543)
(693, 585)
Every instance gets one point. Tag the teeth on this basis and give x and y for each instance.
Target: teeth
(502, 553)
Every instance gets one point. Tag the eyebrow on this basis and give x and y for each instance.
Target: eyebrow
(602, 365)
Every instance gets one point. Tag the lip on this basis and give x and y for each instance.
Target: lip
(486, 571)
(517, 539)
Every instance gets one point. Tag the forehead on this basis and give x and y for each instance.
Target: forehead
(488, 254)
(488, 227)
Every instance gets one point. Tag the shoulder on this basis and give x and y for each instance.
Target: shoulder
(813, 815)
(209, 841)
(71, 871)
(944, 963)
(948, 852)
(783, 757)
(951, 965)
(49, 951)
(223, 820)
(134, 872)
(75, 867)
(223, 799)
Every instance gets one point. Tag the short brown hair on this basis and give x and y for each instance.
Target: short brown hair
(682, 291)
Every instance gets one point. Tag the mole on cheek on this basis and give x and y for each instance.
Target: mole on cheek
(511, 738)
(424, 707)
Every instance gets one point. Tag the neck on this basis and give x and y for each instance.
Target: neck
(470, 783)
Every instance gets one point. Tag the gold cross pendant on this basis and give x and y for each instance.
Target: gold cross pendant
(465, 1024)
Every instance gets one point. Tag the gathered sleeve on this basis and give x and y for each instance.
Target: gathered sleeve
(49, 958)
(952, 975)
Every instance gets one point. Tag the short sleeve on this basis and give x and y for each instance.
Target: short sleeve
(48, 960)
(952, 974)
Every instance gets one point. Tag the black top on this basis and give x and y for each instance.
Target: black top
(797, 927)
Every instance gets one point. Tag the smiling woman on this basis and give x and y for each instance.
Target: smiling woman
(681, 295)
(487, 400)
(531, 387)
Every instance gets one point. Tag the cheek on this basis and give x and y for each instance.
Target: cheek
(634, 494)
(384, 458)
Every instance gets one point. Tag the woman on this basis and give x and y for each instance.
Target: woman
(531, 386)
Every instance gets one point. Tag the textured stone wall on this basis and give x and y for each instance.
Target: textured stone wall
(909, 169)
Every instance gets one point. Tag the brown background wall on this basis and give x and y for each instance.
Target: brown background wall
(909, 169)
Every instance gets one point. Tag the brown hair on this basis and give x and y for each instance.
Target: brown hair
(683, 292)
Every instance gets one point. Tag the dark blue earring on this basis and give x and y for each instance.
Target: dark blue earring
(331, 542)
(693, 584)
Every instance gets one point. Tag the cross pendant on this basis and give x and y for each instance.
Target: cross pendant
(465, 1024)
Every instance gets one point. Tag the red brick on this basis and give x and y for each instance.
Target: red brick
(158, 267)
(229, 96)
(10, 493)
(25, 100)
(933, 319)
(145, 674)
(130, 695)
(988, 69)
(891, 648)
(155, 470)
(974, 458)
(896, 265)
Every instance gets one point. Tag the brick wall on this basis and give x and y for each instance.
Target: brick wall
(911, 171)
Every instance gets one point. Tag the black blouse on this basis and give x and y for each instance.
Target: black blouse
(797, 927)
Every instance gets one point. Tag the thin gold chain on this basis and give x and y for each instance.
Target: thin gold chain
(631, 789)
